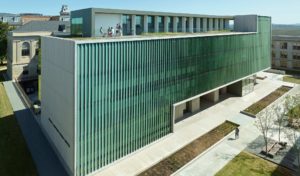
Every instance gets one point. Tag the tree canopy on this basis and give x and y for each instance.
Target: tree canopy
(4, 28)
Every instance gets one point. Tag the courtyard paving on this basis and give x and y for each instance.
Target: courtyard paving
(191, 128)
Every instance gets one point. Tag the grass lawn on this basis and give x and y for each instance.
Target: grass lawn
(178, 159)
(291, 79)
(263, 103)
(251, 165)
(15, 158)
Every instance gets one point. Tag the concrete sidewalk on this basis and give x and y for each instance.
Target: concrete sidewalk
(218, 156)
(44, 157)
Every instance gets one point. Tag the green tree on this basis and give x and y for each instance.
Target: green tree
(4, 28)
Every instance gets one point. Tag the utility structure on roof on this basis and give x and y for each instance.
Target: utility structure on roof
(104, 98)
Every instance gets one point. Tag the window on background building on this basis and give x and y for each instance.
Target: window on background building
(150, 23)
(139, 25)
(25, 49)
(283, 55)
(213, 24)
(296, 56)
(76, 26)
(283, 45)
(126, 19)
(61, 28)
(296, 47)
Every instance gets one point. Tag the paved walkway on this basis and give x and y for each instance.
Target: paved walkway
(210, 162)
(43, 155)
(193, 127)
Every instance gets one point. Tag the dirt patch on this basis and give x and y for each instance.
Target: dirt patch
(178, 159)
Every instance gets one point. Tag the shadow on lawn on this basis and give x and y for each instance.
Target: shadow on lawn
(15, 158)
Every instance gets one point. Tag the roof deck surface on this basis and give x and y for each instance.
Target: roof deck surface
(154, 36)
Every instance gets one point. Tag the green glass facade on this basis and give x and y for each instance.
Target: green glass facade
(126, 89)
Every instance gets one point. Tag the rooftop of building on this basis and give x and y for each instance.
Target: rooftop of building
(154, 13)
(153, 36)
(8, 15)
(286, 37)
(43, 26)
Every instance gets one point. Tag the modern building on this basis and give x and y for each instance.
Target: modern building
(105, 98)
(23, 47)
(88, 22)
(286, 52)
(11, 19)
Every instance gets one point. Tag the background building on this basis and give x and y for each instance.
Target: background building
(103, 99)
(88, 22)
(286, 52)
(23, 47)
(64, 13)
(11, 19)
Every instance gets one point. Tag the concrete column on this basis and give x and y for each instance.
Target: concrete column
(204, 24)
(216, 24)
(184, 24)
(195, 105)
(156, 24)
(191, 25)
(133, 25)
(19, 51)
(221, 27)
(179, 111)
(32, 49)
(213, 96)
(166, 24)
(198, 25)
(210, 24)
(226, 21)
(145, 24)
(175, 20)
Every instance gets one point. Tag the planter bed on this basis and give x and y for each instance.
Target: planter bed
(266, 101)
(183, 156)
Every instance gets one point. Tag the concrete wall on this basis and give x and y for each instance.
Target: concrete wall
(58, 97)
(87, 17)
(179, 111)
(212, 96)
(245, 23)
(105, 21)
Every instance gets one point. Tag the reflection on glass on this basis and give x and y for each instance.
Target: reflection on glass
(150, 23)
(126, 20)
(76, 26)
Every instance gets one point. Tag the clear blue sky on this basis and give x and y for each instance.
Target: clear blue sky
(281, 11)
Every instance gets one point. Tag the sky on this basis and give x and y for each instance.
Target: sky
(281, 11)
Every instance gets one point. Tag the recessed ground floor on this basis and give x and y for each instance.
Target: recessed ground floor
(192, 128)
